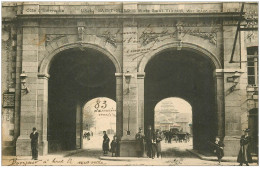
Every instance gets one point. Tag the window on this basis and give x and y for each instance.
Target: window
(252, 65)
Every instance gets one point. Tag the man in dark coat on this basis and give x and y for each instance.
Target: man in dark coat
(244, 155)
(105, 145)
(149, 142)
(158, 139)
(219, 149)
(141, 144)
(34, 143)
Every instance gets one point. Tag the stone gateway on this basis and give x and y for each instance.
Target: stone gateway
(56, 56)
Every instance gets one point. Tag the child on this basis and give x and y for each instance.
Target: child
(219, 149)
(114, 147)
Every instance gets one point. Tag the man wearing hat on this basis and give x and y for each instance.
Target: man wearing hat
(34, 143)
(150, 137)
(141, 144)
(244, 155)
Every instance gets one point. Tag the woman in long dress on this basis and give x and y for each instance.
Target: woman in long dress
(244, 155)
(105, 145)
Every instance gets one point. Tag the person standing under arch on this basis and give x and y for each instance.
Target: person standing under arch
(105, 145)
(141, 144)
(149, 142)
(158, 139)
(114, 147)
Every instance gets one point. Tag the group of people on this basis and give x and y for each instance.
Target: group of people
(244, 155)
(86, 135)
(151, 144)
(114, 145)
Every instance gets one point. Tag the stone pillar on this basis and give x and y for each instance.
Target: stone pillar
(119, 104)
(18, 84)
(220, 103)
(29, 117)
(130, 89)
(78, 125)
(233, 97)
(140, 82)
(42, 104)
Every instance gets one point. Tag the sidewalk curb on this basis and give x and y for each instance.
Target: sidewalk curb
(212, 158)
(124, 158)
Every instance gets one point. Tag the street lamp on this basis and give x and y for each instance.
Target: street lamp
(23, 77)
(235, 80)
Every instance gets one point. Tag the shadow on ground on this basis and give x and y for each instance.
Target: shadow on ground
(176, 152)
(169, 153)
(88, 153)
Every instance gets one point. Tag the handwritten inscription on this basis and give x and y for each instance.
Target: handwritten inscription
(149, 38)
(52, 161)
(101, 109)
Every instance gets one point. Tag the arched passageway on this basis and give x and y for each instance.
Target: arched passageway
(173, 119)
(186, 75)
(77, 75)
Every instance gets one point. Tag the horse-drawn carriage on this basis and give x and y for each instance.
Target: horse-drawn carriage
(179, 136)
(175, 135)
(183, 137)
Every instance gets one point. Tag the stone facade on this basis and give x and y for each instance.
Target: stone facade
(130, 35)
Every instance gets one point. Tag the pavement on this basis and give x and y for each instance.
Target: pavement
(175, 154)
(213, 158)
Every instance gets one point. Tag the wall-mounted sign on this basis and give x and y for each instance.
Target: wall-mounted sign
(8, 100)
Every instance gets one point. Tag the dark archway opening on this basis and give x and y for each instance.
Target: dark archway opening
(187, 75)
(253, 126)
(76, 76)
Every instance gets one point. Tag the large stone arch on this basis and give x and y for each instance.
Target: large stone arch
(51, 51)
(217, 76)
(173, 46)
(49, 55)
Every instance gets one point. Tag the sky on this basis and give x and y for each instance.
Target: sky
(104, 111)
(167, 110)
